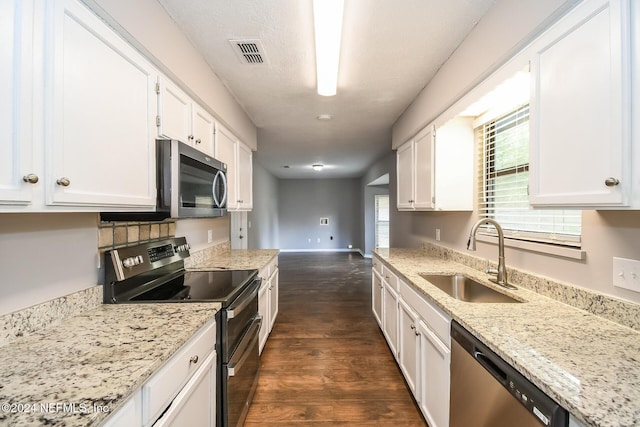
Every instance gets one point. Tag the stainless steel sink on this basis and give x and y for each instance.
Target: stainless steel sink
(464, 288)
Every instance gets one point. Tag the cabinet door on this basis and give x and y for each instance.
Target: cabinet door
(435, 377)
(15, 105)
(376, 296)
(580, 106)
(174, 111)
(225, 151)
(264, 307)
(202, 124)
(390, 318)
(408, 346)
(423, 165)
(274, 290)
(194, 406)
(245, 177)
(99, 114)
(129, 415)
(404, 158)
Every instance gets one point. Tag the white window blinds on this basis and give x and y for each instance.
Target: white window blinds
(503, 194)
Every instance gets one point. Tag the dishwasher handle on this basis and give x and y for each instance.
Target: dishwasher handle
(491, 366)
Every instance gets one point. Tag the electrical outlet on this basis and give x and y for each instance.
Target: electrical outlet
(318, 240)
(437, 234)
(309, 239)
(209, 236)
(626, 274)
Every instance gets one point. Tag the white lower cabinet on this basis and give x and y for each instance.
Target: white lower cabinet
(409, 346)
(435, 376)
(390, 317)
(129, 415)
(268, 300)
(194, 406)
(376, 296)
(418, 334)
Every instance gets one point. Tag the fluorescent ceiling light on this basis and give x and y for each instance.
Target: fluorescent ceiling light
(317, 167)
(327, 16)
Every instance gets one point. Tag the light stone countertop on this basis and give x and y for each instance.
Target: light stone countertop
(95, 359)
(233, 259)
(589, 365)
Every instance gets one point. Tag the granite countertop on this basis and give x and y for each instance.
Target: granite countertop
(588, 364)
(77, 372)
(233, 259)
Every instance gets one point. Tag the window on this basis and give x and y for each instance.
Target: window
(503, 194)
(382, 222)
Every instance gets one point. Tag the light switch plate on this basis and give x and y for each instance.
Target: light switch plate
(626, 273)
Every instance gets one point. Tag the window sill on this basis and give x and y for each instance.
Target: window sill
(559, 251)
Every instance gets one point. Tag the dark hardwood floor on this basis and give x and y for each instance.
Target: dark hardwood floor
(326, 361)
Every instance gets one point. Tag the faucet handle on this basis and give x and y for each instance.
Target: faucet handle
(488, 269)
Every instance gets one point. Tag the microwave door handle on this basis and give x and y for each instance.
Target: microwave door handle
(214, 193)
(223, 201)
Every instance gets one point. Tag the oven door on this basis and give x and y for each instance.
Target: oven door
(240, 377)
(237, 317)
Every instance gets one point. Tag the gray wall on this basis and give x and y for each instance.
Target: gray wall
(303, 202)
(385, 165)
(263, 219)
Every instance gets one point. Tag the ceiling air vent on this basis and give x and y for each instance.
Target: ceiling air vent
(249, 51)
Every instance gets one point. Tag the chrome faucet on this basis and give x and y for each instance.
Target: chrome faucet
(501, 272)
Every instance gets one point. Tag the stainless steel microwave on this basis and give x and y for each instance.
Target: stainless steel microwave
(189, 183)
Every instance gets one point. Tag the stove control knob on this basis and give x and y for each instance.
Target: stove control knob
(139, 260)
(129, 262)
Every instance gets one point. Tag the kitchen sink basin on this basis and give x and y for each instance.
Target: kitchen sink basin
(464, 288)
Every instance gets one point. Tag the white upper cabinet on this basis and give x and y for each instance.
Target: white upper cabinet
(17, 173)
(99, 114)
(581, 151)
(435, 169)
(181, 118)
(239, 160)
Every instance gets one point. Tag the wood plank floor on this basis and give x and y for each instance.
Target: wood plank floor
(326, 361)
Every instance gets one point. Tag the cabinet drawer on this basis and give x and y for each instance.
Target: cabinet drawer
(390, 278)
(167, 382)
(433, 316)
(377, 265)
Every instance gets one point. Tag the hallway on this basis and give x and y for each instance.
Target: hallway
(326, 361)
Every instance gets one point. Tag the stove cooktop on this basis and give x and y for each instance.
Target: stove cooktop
(199, 286)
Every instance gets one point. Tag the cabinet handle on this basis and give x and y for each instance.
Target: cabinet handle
(417, 333)
(611, 182)
(65, 182)
(190, 137)
(198, 141)
(413, 326)
(32, 178)
(194, 359)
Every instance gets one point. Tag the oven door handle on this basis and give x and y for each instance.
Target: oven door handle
(244, 301)
(244, 348)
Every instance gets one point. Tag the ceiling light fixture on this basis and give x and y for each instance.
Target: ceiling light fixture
(327, 17)
(317, 167)
(324, 117)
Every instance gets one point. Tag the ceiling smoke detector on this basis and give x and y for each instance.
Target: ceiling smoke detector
(249, 51)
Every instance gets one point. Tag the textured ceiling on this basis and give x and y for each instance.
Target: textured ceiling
(390, 51)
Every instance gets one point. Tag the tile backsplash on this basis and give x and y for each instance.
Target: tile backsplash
(115, 234)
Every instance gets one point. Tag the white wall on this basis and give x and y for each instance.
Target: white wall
(153, 32)
(509, 24)
(302, 202)
(45, 256)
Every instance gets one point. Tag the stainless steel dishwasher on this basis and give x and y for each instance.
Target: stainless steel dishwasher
(488, 392)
